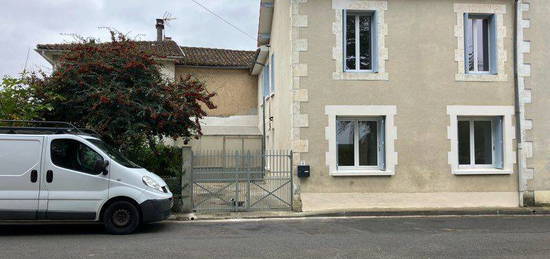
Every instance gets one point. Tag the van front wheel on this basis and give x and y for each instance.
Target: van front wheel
(121, 218)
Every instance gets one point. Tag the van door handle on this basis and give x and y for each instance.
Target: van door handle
(34, 176)
(49, 176)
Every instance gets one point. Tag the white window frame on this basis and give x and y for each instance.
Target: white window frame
(356, 15)
(456, 112)
(380, 140)
(388, 112)
(268, 78)
(494, 142)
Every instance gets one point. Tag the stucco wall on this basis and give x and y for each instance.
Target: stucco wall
(278, 105)
(537, 111)
(236, 89)
(421, 66)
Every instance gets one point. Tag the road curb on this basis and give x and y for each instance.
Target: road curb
(364, 213)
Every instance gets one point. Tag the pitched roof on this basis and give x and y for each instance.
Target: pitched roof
(211, 57)
(164, 49)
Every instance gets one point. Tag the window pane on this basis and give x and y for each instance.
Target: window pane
(365, 42)
(350, 42)
(265, 80)
(71, 154)
(63, 152)
(469, 48)
(482, 44)
(368, 143)
(464, 142)
(483, 143)
(344, 140)
(87, 158)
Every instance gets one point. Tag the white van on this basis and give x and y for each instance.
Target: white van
(66, 174)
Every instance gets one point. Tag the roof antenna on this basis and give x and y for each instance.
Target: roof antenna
(26, 61)
(166, 17)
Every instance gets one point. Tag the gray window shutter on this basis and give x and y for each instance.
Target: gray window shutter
(265, 80)
(382, 144)
(344, 39)
(493, 51)
(272, 74)
(498, 143)
(374, 42)
(467, 38)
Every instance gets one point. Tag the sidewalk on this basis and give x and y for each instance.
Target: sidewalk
(364, 213)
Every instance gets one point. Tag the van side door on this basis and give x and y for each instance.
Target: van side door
(75, 189)
(20, 167)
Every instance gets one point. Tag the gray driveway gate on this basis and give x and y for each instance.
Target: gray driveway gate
(241, 181)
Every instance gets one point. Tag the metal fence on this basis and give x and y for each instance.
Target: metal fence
(241, 181)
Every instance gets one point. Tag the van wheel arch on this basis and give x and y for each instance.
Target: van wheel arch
(120, 198)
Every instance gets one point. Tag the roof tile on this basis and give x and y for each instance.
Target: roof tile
(166, 48)
(195, 56)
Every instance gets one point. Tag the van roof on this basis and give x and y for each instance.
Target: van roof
(44, 128)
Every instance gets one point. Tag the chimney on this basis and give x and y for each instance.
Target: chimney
(160, 29)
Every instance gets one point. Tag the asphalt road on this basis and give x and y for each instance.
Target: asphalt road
(430, 237)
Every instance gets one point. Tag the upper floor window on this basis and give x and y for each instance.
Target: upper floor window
(272, 74)
(480, 43)
(268, 77)
(359, 41)
(266, 80)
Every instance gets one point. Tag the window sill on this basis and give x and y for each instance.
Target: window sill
(360, 172)
(481, 77)
(361, 71)
(481, 171)
(361, 75)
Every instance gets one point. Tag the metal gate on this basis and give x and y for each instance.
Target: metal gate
(241, 181)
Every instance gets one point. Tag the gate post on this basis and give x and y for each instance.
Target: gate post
(187, 180)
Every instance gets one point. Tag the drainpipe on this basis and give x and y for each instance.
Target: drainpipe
(263, 130)
(519, 139)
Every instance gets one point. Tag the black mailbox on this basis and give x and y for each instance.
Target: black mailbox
(303, 171)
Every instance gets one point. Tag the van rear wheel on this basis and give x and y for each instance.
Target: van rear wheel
(121, 218)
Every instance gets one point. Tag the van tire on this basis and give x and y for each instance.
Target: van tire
(121, 218)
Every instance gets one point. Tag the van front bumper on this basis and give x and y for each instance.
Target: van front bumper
(156, 210)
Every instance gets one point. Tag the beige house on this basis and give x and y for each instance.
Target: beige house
(233, 125)
(393, 106)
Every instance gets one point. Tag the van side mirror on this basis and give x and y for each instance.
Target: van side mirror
(101, 166)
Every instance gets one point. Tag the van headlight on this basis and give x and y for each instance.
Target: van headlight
(151, 183)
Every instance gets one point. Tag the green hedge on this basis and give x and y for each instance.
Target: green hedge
(167, 164)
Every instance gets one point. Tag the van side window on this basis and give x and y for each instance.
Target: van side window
(71, 154)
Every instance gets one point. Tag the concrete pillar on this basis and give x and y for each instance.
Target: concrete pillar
(187, 180)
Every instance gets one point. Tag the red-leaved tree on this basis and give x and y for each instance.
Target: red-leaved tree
(117, 89)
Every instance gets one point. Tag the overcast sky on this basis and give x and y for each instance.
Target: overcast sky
(25, 23)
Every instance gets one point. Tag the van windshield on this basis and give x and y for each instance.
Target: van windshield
(113, 153)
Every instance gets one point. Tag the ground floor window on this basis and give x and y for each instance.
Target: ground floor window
(360, 143)
(481, 139)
